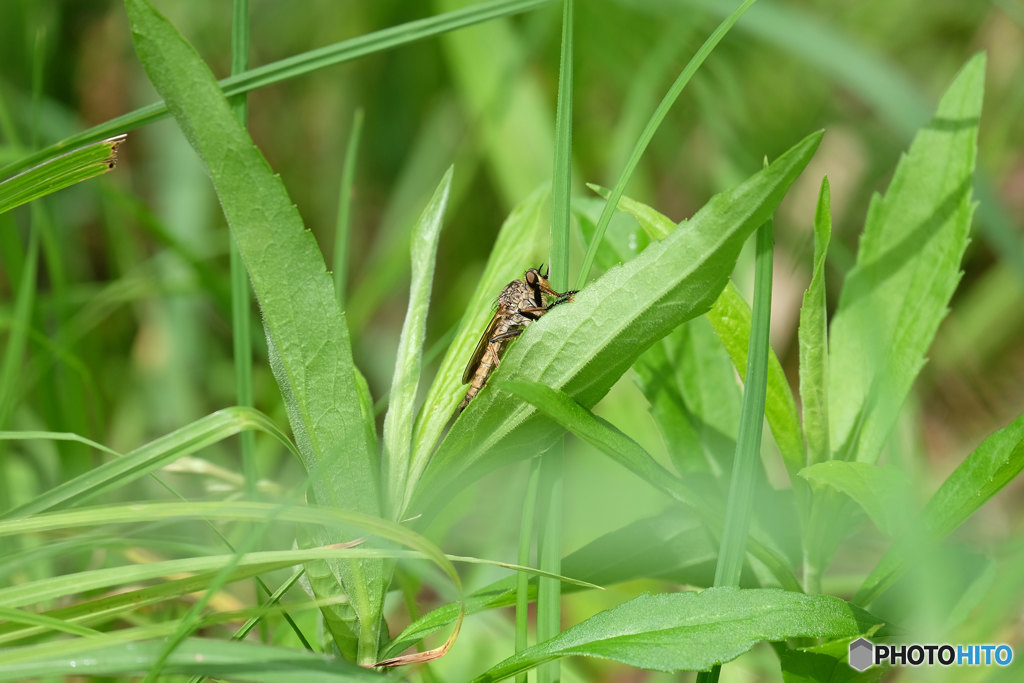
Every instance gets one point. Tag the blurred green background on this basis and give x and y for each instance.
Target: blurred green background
(132, 327)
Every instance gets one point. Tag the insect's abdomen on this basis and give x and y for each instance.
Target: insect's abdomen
(488, 362)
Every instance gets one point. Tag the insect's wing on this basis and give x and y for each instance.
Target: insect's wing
(481, 346)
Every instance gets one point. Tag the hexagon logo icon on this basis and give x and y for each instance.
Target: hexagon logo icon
(862, 654)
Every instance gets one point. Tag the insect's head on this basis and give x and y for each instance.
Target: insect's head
(539, 281)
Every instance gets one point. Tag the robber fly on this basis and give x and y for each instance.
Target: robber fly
(519, 304)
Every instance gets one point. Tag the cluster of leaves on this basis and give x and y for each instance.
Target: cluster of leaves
(645, 314)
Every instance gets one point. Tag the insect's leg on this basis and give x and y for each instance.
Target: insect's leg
(506, 335)
(533, 313)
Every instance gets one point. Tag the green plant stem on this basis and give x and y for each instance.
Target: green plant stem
(523, 559)
(561, 184)
(748, 443)
(241, 310)
(549, 556)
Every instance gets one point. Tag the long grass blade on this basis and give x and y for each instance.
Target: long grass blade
(551, 475)
(648, 133)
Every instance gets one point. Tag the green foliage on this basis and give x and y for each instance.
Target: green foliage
(306, 331)
(112, 656)
(691, 631)
(59, 172)
(907, 267)
(144, 460)
(398, 423)
(109, 590)
(814, 339)
(583, 349)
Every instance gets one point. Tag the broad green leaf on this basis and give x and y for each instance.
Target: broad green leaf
(59, 172)
(110, 655)
(398, 422)
(158, 453)
(687, 377)
(691, 631)
(307, 336)
(813, 338)
(730, 318)
(994, 464)
(907, 268)
(883, 492)
(582, 348)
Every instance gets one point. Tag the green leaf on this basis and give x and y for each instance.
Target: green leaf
(59, 172)
(994, 464)
(583, 348)
(730, 318)
(398, 422)
(747, 460)
(108, 655)
(307, 336)
(691, 631)
(882, 492)
(907, 268)
(813, 337)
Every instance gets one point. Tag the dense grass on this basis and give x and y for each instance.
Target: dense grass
(142, 538)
